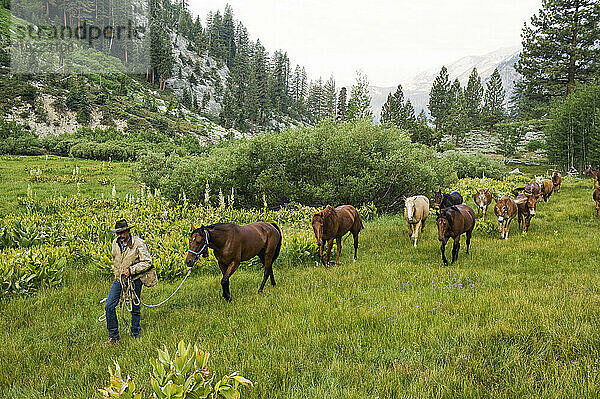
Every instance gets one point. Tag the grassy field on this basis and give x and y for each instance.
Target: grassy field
(59, 177)
(512, 319)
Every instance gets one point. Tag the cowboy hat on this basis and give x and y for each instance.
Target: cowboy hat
(121, 226)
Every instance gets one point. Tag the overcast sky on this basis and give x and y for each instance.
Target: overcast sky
(390, 40)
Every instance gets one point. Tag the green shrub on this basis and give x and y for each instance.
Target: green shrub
(535, 146)
(16, 139)
(24, 272)
(184, 375)
(467, 187)
(486, 226)
(479, 165)
(350, 163)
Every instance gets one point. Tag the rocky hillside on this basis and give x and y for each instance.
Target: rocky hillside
(56, 104)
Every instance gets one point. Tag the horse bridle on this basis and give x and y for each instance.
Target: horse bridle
(203, 248)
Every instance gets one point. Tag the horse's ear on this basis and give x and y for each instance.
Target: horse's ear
(495, 199)
(193, 227)
(404, 198)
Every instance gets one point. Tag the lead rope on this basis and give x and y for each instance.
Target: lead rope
(130, 298)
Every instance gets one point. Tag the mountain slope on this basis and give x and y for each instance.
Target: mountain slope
(417, 89)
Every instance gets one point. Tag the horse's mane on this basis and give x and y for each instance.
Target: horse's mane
(211, 226)
(329, 215)
(446, 214)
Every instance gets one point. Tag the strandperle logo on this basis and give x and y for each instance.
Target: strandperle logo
(80, 37)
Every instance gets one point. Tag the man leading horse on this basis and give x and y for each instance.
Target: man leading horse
(132, 266)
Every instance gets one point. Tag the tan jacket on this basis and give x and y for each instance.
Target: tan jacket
(137, 259)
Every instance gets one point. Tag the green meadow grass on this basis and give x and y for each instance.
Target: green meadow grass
(516, 318)
(15, 176)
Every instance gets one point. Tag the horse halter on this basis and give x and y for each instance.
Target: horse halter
(204, 247)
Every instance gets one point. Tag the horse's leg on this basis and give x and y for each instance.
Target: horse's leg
(484, 211)
(507, 229)
(338, 243)
(443, 249)
(225, 280)
(468, 240)
(355, 237)
(263, 260)
(455, 248)
(416, 233)
(328, 253)
(321, 252)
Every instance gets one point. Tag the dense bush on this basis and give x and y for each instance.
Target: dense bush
(534, 146)
(478, 165)
(333, 163)
(15, 139)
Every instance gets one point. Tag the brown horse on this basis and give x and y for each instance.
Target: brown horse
(452, 222)
(526, 205)
(546, 189)
(596, 197)
(556, 180)
(482, 198)
(506, 210)
(232, 244)
(332, 223)
(532, 187)
(594, 172)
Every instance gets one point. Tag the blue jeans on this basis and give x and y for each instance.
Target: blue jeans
(112, 324)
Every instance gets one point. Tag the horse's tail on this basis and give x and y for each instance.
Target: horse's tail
(276, 254)
(360, 223)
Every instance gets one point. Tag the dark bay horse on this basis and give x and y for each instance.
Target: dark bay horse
(233, 244)
(452, 222)
(445, 200)
(332, 223)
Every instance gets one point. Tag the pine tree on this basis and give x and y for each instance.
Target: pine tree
(494, 101)
(560, 48)
(329, 93)
(358, 105)
(439, 99)
(457, 123)
(315, 100)
(260, 76)
(421, 132)
(408, 115)
(342, 106)
(397, 112)
(227, 36)
(390, 111)
(473, 98)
